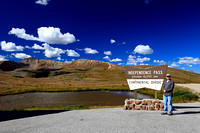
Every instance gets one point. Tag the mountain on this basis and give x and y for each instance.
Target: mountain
(31, 74)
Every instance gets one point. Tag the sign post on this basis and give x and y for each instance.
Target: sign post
(151, 78)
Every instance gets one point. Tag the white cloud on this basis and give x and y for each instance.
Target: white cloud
(51, 51)
(66, 61)
(9, 46)
(116, 60)
(107, 57)
(53, 35)
(113, 60)
(107, 53)
(79, 49)
(49, 35)
(35, 46)
(174, 64)
(21, 55)
(36, 51)
(142, 49)
(42, 2)
(159, 61)
(2, 58)
(90, 51)
(112, 41)
(142, 64)
(72, 53)
(21, 33)
(132, 60)
(27, 47)
(59, 58)
(189, 60)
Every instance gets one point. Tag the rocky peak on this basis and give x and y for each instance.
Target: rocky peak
(35, 64)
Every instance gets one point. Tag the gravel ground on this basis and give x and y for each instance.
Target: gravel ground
(186, 118)
(194, 87)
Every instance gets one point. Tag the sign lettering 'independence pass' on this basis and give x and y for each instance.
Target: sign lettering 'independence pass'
(151, 78)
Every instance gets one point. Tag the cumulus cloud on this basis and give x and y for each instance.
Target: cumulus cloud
(90, 51)
(51, 51)
(66, 61)
(189, 60)
(21, 33)
(133, 60)
(112, 41)
(112, 60)
(21, 55)
(72, 53)
(142, 49)
(9, 46)
(120, 63)
(2, 58)
(49, 35)
(174, 64)
(116, 60)
(59, 58)
(107, 57)
(35, 46)
(42, 2)
(27, 47)
(53, 35)
(107, 53)
(159, 61)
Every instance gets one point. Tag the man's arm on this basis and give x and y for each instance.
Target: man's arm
(164, 87)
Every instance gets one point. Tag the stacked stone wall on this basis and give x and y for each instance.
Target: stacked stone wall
(145, 104)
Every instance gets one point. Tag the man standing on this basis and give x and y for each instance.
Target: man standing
(167, 96)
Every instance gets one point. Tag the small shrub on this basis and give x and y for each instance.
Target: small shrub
(76, 107)
(184, 96)
(18, 76)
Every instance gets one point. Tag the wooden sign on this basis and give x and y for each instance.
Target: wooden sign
(151, 78)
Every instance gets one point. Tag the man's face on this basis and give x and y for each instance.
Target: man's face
(168, 78)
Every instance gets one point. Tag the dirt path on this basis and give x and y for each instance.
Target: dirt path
(194, 87)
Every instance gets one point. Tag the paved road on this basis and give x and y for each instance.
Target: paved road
(110, 120)
(194, 87)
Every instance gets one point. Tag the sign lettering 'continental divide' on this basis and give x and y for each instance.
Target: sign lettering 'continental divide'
(151, 78)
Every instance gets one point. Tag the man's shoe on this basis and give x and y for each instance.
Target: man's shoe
(170, 114)
(163, 113)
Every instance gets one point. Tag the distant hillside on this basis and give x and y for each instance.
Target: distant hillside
(47, 75)
(33, 67)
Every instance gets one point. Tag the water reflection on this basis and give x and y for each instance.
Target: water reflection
(53, 99)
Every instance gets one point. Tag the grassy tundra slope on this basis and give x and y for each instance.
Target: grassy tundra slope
(35, 75)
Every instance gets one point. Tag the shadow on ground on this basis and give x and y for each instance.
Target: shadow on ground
(11, 115)
(186, 112)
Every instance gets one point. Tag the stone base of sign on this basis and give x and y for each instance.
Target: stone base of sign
(145, 104)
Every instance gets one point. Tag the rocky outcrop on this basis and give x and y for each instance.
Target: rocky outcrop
(40, 64)
(91, 64)
(10, 65)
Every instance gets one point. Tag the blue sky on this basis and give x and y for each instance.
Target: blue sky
(128, 32)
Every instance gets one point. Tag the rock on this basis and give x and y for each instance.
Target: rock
(137, 107)
(137, 102)
(144, 102)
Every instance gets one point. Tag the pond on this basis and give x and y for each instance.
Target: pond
(52, 99)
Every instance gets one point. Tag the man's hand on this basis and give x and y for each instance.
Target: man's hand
(164, 90)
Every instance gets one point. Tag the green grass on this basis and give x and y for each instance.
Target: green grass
(18, 76)
(69, 107)
(76, 107)
(181, 96)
